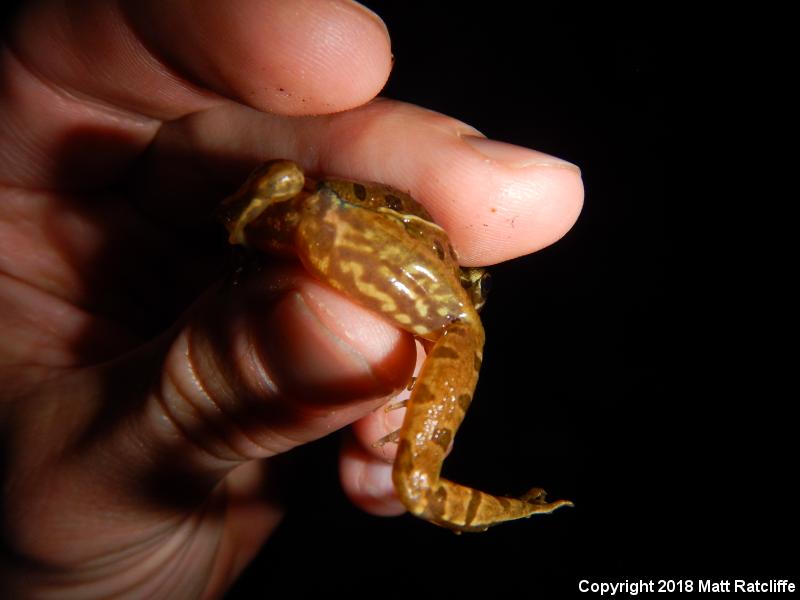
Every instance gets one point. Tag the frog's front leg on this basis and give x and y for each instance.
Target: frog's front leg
(437, 406)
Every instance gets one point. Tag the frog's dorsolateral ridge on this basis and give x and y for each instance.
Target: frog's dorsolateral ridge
(381, 248)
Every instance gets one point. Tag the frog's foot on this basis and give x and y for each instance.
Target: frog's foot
(387, 439)
(538, 496)
(395, 405)
(462, 508)
(394, 436)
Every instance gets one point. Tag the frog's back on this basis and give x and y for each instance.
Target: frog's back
(379, 246)
(375, 196)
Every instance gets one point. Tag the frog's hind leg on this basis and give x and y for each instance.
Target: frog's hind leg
(435, 410)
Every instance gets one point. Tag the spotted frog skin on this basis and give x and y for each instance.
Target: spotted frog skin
(381, 248)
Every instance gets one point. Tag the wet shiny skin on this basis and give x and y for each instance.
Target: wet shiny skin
(381, 248)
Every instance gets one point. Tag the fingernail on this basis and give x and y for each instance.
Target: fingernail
(515, 156)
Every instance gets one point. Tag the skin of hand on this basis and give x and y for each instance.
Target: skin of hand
(142, 395)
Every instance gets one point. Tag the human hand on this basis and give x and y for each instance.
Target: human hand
(139, 411)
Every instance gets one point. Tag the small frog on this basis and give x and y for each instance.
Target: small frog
(381, 248)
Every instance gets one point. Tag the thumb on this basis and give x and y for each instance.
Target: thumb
(256, 368)
(116, 469)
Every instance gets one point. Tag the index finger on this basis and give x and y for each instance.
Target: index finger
(113, 71)
(496, 201)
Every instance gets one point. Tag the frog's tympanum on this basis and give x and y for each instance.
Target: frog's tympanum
(381, 248)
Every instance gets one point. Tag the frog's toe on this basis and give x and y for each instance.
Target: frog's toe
(535, 496)
(390, 438)
(396, 405)
(538, 497)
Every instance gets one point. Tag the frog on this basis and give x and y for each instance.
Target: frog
(381, 248)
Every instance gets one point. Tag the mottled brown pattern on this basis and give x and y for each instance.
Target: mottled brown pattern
(456, 331)
(360, 191)
(393, 202)
(437, 247)
(445, 352)
(437, 502)
(381, 248)
(414, 230)
(443, 437)
(452, 251)
(422, 394)
(472, 508)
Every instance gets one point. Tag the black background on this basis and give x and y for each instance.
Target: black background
(599, 381)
